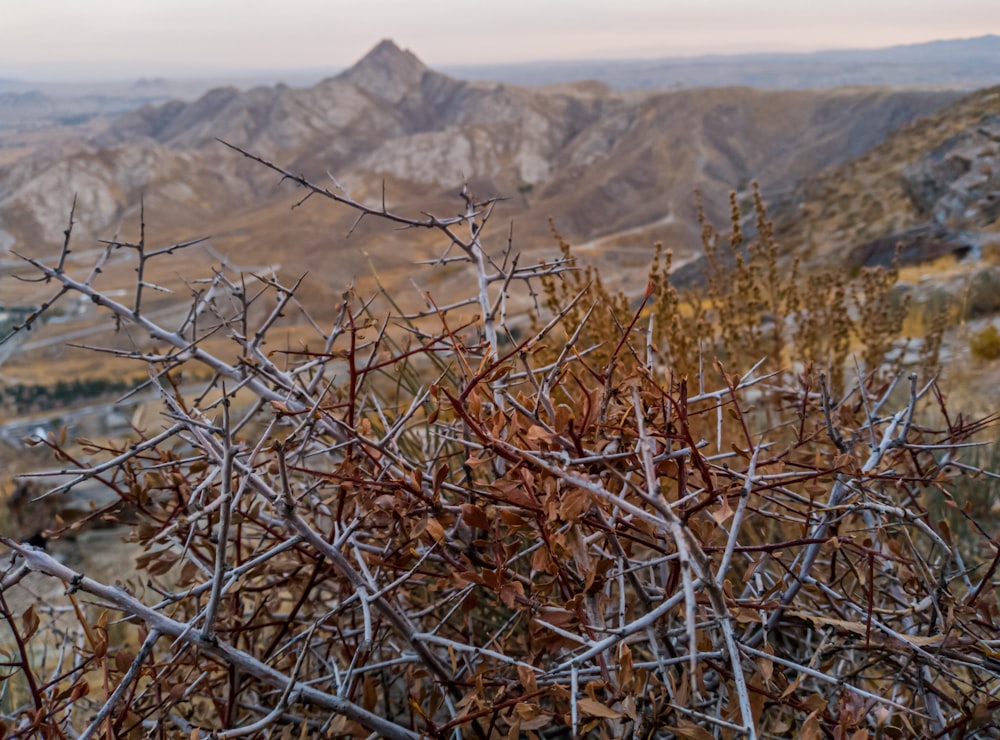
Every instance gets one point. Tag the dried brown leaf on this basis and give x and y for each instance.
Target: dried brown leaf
(810, 729)
(474, 516)
(123, 660)
(690, 731)
(435, 530)
(724, 512)
(596, 709)
(29, 623)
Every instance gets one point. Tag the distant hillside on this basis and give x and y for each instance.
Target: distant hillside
(932, 186)
(962, 63)
(616, 170)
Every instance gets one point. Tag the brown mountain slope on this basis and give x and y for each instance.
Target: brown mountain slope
(618, 167)
(716, 140)
(934, 181)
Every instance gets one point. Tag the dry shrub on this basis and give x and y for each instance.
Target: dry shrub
(749, 306)
(420, 526)
(985, 344)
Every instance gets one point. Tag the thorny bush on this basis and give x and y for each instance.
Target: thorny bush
(671, 517)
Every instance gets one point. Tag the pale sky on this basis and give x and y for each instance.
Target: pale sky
(125, 39)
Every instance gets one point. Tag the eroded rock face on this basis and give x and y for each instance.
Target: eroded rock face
(911, 247)
(932, 185)
(958, 182)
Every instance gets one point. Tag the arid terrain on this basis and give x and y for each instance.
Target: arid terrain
(847, 173)
(568, 476)
(612, 169)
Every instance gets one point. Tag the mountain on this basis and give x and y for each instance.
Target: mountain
(387, 72)
(32, 110)
(933, 186)
(615, 170)
(962, 63)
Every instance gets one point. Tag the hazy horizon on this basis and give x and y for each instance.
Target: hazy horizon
(56, 40)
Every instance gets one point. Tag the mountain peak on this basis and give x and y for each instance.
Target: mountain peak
(386, 71)
(387, 50)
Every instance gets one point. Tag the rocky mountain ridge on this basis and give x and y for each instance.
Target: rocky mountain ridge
(618, 167)
(932, 187)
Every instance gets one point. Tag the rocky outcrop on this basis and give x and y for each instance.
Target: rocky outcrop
(958, 182)
(911, 247)
(932, 186)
